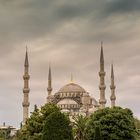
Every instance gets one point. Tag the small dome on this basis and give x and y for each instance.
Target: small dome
(65, 111)
(68, 104)
(67, 101)
(94, 102)
(72, 87)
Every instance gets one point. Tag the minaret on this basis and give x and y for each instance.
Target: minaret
(112, 87)
(49, 89)
(102, 86)
(26, 89)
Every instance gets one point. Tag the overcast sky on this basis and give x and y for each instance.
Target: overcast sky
(67, 33)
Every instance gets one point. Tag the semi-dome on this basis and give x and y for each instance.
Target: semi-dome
(72, 87)
(67, 101)
(68, 104)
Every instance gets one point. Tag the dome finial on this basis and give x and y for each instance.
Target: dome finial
(71, 79)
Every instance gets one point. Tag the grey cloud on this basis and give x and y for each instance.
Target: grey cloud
(122, 6)
(67, 34)
(33, 19)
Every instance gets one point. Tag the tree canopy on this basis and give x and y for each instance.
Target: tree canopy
(97, 135)
(137, 123)
(49, 123)
(115, 123)
(57, 127)
(79, 127)
(37, 125)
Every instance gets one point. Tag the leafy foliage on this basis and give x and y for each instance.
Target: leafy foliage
(115, 123)
(97, 135)
(33, 126)
(79, 127)
(48, 123)
(57, 127)
(5, 134)
(47, 120)
(137, 123)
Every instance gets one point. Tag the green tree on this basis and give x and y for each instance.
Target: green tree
(57, 127)
(79, 127)
(5, 133)
(33, 128)
(2, 134)
(115, 123)
(47, 109)
(137, 124)
(97, 135)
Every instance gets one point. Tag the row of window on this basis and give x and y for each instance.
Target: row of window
(70, 94)
(65, 106)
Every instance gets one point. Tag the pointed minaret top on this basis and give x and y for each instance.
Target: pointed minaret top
(102, 58)
(26, 58)
(112, 87)
(102, 54)
(49, 75)
(49, 81)
(112, 72)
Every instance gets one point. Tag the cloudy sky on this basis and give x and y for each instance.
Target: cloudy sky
(67, 33)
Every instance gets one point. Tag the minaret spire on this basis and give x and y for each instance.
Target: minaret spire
(26, 64)
(26, 89)
(112, 87)
(102, 58)
(102, 86)
(49, 89)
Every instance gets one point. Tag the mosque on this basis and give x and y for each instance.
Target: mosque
(71, 98)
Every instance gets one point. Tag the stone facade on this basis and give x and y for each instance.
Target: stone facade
(74, 99)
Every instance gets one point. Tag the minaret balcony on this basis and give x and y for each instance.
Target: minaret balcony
(113, 97)
(102, 73)
(26, 90)
(102, 101)
(102, 87)
(26, 77)
(49, 89)
(24, 104)
(112, 87)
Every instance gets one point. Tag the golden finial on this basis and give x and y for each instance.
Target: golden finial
(71, 79)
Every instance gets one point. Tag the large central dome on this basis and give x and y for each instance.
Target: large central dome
(72, 87)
